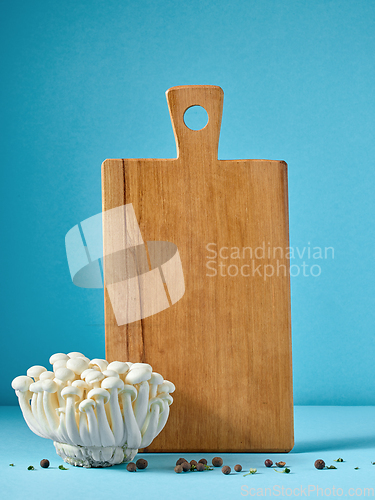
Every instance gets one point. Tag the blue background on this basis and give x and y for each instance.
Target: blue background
(85, 80)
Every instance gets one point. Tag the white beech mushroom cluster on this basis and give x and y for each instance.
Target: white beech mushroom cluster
(97, 413)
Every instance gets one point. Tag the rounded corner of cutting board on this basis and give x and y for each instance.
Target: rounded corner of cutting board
(106, 163)
(289, 448)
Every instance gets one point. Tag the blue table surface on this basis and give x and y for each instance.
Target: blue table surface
(326, 432)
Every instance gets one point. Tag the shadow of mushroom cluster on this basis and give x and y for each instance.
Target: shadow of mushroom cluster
(97, 413)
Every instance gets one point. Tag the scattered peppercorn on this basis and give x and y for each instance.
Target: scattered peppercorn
(31, 467)
(178, 469)
(200, 467)
(203, 461)
(280, 464)
(268, 463)
(193, 462)
(181, 461)
(185, 466)
(226, 470)
(217, 461)
(131, 467)
(319, 464)
(238, 468)
(141, 463)
(44, 463)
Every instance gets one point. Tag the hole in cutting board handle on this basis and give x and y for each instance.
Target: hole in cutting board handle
(195, 117)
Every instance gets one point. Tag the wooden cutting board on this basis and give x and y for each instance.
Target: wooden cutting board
(226, 344)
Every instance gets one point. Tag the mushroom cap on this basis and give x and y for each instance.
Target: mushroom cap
(156, 379)
(76, 355)
(46, 375)
(111, 373)
(49, 385)
(119, 367)
(86, 372)
(101, 363)
(64, 374)
(99, 393)
(112, 383)
(137, 376)
(57, 357)
(77, 365)
(86, 404)
(60, 363)
(84, 357)
(36, 386)
(35, 371)
(22, 383)
(167, 386)
(129, 389)
(81, 384)
(141, 365)
(71, 390)
(94, 376)
(167, 397)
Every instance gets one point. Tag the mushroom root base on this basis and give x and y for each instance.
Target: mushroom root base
(94, 456)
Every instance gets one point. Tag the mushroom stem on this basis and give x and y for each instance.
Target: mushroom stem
(62, 426)
(155, 381)
(34, 406)
(153, 390)
(60, 387)
(163, 416)
(141, 404)
(153, 421)
(83, 430)
(116, 417)
(133, 433)
(42, 416)
(93, 427)
(50, 404)
(37, 408)
(71, 423)
(106, 435)
(30, 419)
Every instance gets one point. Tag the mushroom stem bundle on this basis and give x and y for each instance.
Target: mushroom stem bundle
(97, 413)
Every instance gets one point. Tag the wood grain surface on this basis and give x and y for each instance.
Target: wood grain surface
(226, 344)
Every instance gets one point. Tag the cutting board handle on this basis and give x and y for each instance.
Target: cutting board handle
(206, 140)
